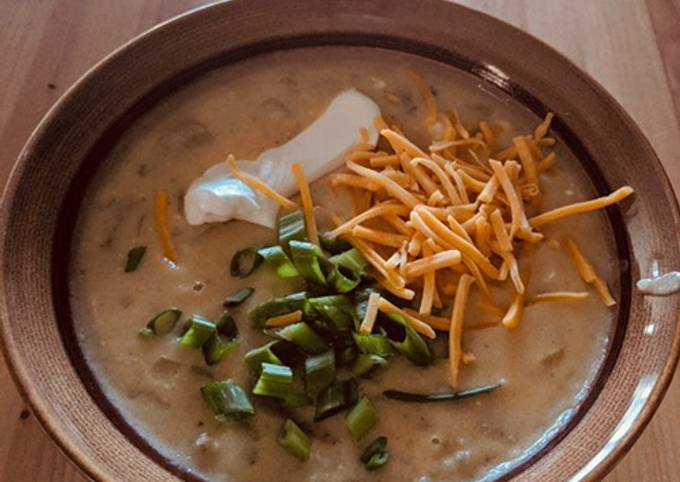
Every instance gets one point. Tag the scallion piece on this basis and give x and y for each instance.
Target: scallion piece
(227, 401)
(319, 372)
(275, 381)
(276, 307)
(375, 455)
(373, 344)
(164, 321)
(263, 354)
(407, 341)
(226, 325)
(295, 441)
(336, 398)
(199, 331)
(291, 227)
(365, 363)
(340, 279)
(239, 297)
(297, 400)
(334, 245)
(244, 262)
(215, 348)
(351, 259)
(134, 257)
(336, 311)
(277, 258)
(306, 256)
(439, 397)
(361, 418)
(303, 337)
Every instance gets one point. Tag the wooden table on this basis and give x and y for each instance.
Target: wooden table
(631, 47)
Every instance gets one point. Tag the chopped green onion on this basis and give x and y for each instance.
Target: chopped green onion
(200, 330)
(275, 381)
(164, 321)
(373, 344)
(319, 372)
(304, 337)
(335, 310)
(338, 278)
(306, 256)
(407, 341)
(291, 227)
(240, 267)
(297, 400)
(334, 245)
(145, 332)
(345, 351)
(361, 419)
(336, 398)
(277, 258)
(226, 325)
(263, 354)
(351, 259)
(276, 307)
(239, 297)
(375, 455)
(134, 257)
(439, 397)
(227, 401)
(365, 363)
(215, 348)
(295, 441)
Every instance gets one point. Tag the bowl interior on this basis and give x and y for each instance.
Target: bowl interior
(83, 127)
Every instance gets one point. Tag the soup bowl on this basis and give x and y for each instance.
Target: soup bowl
(46, 188)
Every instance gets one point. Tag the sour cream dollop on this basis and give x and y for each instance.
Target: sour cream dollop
(217, 197)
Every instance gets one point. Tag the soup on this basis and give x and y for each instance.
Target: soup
(546, 365)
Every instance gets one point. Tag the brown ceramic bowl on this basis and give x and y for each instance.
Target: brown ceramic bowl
(45, 189)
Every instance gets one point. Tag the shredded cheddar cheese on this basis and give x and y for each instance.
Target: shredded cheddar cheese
(307, 204)
(283, 320)
(161, 204)
(258, 185)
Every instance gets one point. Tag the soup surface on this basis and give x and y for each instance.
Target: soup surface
(547, 364)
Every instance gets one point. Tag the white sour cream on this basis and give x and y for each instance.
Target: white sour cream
(319, 149)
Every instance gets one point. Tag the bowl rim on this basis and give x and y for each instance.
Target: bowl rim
(13, 356)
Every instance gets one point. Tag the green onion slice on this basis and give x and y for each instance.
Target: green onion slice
(227, 401)
(277, 258)
(291, 227)
(361, 418)
(303, 337)
(297, 400)
(338, 278)
(199, 331)
(263, 354)
(336, 311)
(226, 325)
(373, 344)
(295, 441)
(215, 348)
(276, 307)
(275, 381)
(334, 245)
(407, 341)
(439, 397)
(336, 398)
(319, 372)
(351, 259)
(163, 322)
(365, 363)
(239, 297)
(375, 455)
(306, 256)
(244, 262)
(134, 257)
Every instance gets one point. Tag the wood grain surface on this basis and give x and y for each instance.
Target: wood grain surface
(629, 46)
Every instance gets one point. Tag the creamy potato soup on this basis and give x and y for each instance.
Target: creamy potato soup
(545, 366)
